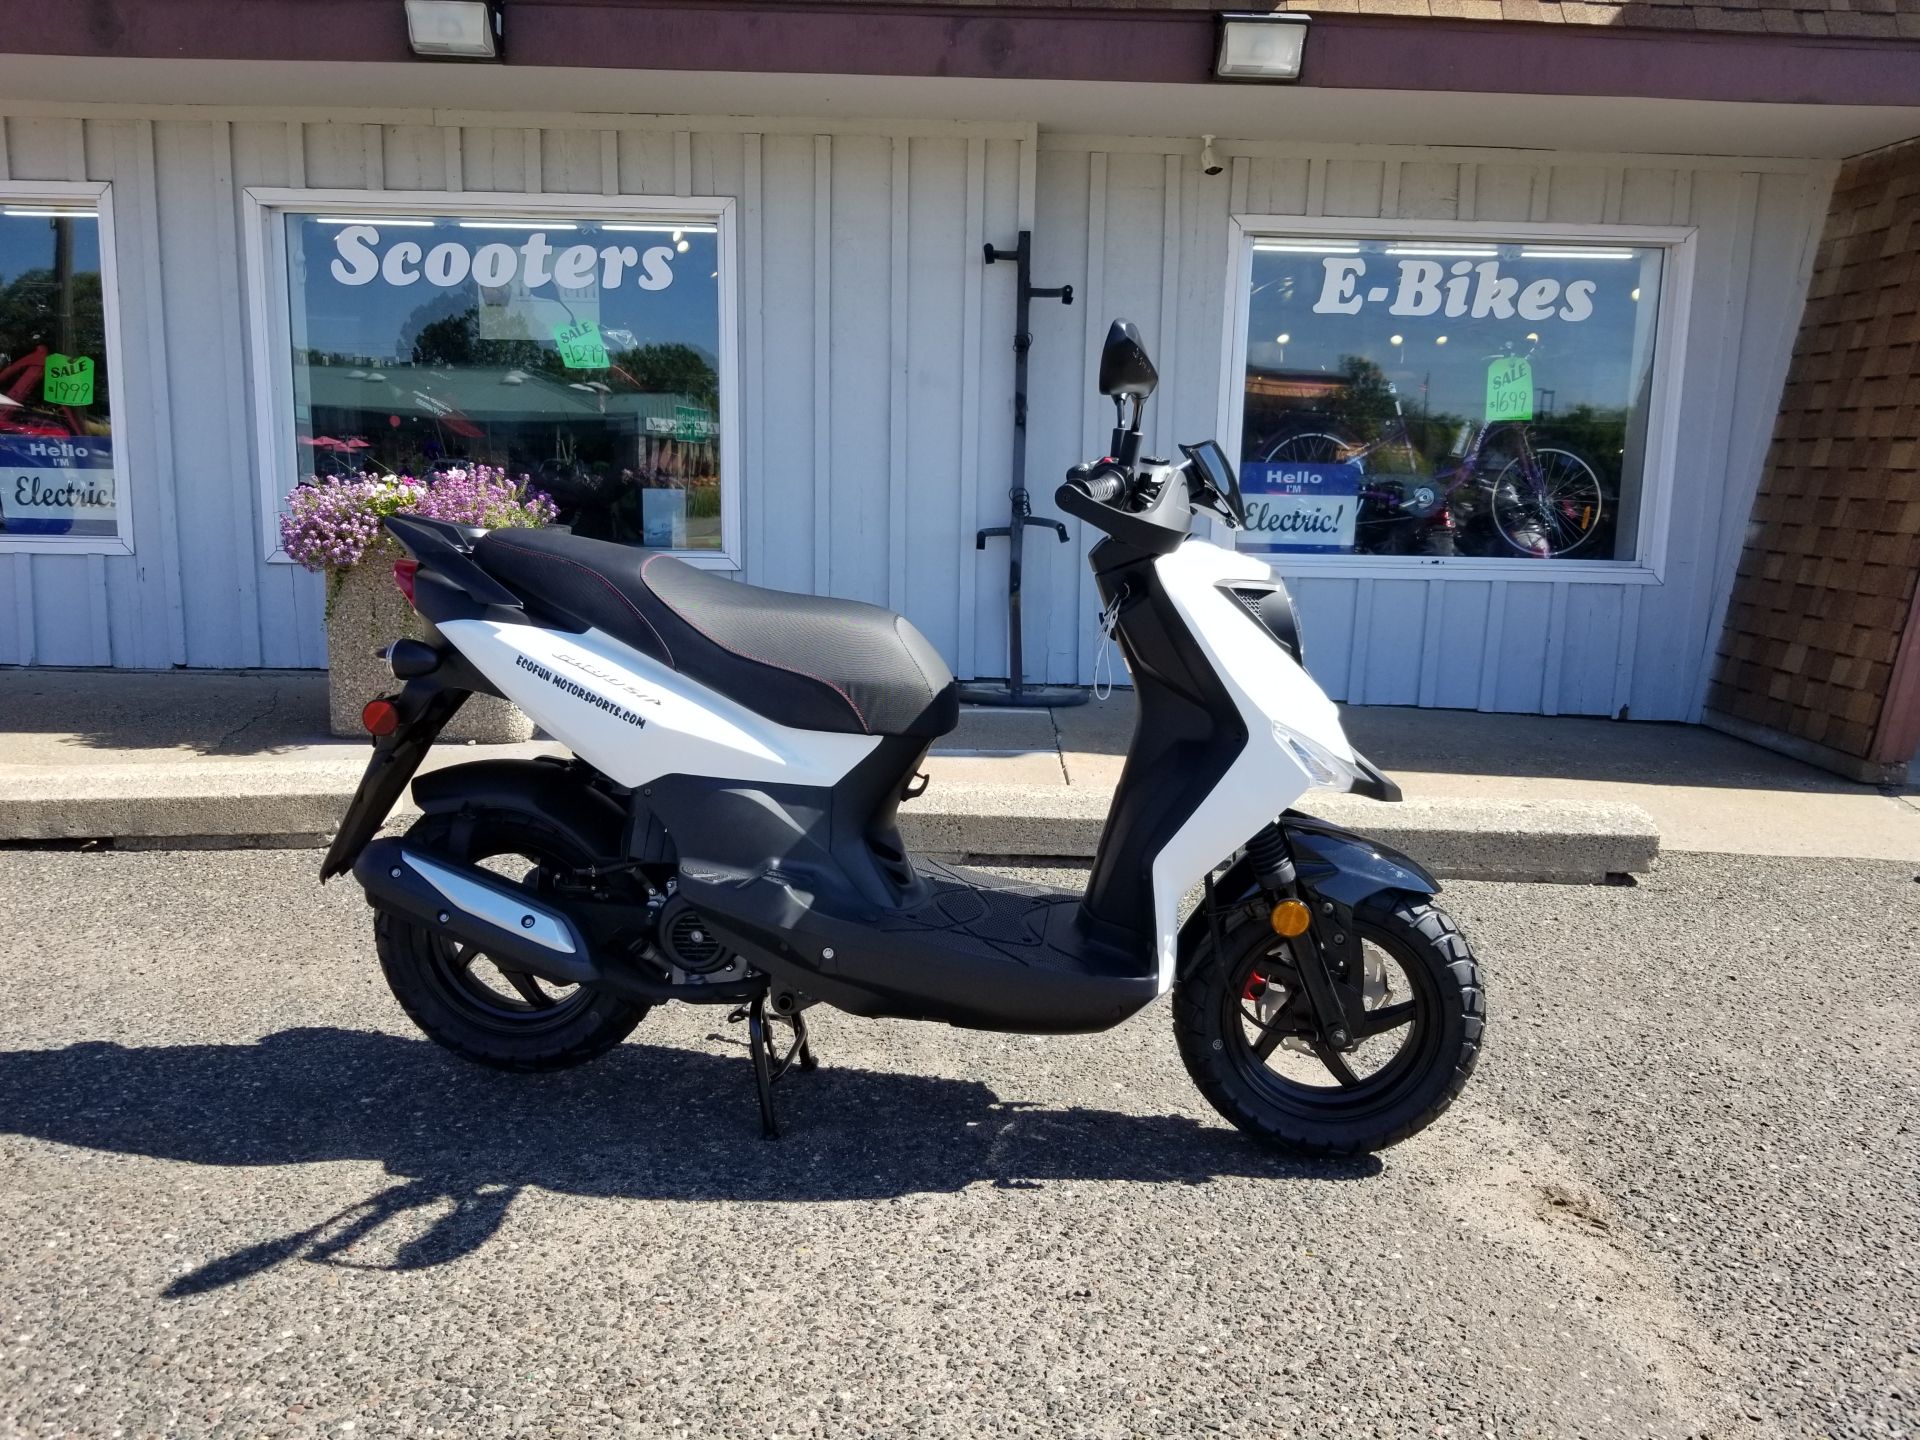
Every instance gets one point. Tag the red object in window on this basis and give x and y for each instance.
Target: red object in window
(380, 717)
(403, 573)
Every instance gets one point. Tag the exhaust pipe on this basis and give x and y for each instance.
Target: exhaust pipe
(469, 904)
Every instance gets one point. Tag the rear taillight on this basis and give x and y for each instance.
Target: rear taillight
(403, 573)
(380, 717)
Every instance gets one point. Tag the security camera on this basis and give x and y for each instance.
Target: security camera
(1209, 162)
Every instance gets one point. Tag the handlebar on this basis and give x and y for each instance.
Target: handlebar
(1149, 518)
(1104, 481)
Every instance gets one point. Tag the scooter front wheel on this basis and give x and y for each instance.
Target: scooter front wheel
(1245, 1030)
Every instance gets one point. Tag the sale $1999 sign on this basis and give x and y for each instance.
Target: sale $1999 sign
(1300, 509)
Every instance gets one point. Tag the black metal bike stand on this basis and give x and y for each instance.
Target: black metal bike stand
(1014, 690)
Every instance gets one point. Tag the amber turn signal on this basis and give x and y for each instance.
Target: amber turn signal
(1291, 918)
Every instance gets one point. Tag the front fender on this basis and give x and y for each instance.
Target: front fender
(1348, 868)
(1333, 864)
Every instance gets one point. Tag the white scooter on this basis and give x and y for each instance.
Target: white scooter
(725, 833)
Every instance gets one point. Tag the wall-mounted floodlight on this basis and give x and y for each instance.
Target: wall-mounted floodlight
(454, 29)
(1261, 48)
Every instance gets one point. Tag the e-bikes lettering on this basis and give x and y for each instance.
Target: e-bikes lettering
(741, 848)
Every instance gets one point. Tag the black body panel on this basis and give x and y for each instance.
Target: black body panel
(808, 661)
(787, 874)
(1373, 784)
(1187, 735)
(548, 788)
(425, 707)
(1349, 868)
(1331, 863)
(974, 951)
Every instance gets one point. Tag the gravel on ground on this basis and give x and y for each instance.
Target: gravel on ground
(241, 1195)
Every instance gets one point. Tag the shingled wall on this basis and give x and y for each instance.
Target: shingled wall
(1816, 657)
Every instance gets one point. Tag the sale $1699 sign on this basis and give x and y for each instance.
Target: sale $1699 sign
(1299, 509)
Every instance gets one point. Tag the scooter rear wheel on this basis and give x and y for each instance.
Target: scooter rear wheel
(481, 1010)
(1246, 1034)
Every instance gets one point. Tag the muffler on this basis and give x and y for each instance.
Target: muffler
(469, 904)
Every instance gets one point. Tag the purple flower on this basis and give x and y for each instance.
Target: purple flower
(332, 524)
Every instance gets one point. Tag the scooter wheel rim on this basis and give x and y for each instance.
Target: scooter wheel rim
(1380, 1089)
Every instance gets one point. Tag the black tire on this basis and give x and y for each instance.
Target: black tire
(441, 984)
(1406, 1094)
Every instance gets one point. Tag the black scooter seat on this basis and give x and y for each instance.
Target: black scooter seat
(807, 661)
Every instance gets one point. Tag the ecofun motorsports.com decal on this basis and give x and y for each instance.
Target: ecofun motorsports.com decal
(581, 692)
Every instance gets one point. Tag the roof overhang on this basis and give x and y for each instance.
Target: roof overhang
(1367, 80)
(1121, 44)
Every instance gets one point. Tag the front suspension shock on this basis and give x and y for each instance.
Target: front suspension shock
(1271, 860)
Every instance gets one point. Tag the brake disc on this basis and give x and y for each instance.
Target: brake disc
(1376, 990)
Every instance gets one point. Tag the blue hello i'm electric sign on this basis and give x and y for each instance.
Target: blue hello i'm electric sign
(1300, 509)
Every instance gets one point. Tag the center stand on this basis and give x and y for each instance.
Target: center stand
(769, 1061)
(1014, 690)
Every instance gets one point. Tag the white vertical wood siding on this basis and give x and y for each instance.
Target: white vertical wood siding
(871, 363)
(876, 374)
(1149, 231)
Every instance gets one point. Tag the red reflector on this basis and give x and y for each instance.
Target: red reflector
(403, 573)
(380, 717)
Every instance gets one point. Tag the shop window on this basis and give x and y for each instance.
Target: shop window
(1449, 399)
(584, 352)
(58, 482)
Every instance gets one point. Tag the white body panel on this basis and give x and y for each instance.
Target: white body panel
(589, 691)
(1284, 711)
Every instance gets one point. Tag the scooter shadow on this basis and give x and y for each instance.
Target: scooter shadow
(644, 1122)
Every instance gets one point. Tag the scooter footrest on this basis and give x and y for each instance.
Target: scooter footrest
(987, 914)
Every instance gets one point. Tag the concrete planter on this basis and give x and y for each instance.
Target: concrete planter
(365, 613)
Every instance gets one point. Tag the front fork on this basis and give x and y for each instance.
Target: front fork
(1324, 943)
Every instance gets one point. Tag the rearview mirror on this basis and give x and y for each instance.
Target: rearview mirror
(1124, 366)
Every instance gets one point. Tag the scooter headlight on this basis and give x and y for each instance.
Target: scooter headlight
(1319, 766)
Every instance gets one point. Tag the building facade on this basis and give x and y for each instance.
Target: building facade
(1500, 359)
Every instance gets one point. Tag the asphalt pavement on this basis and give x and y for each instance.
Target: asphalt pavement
(240, 1196)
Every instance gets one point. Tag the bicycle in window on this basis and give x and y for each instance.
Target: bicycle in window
(1496, 493)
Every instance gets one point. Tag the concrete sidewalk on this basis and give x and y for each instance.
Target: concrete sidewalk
(1705, 791)
(236, 758)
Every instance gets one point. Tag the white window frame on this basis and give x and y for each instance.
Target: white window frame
(99, 194)
(1658, 466)
(269, 306)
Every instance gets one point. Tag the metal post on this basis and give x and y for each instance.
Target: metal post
(1014, 690)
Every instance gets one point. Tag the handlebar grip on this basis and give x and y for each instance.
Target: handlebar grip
(1106, 487)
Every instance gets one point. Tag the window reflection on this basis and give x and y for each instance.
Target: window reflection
(1447, 398)
(583, 354)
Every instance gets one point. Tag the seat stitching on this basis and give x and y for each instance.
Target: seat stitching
(758, 660)
(616, 591)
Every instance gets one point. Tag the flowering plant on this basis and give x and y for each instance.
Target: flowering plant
(333, 524)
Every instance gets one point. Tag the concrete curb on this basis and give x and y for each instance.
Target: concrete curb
(296, 802)
(1557, 841)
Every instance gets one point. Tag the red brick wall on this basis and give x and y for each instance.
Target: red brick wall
(1826, 581)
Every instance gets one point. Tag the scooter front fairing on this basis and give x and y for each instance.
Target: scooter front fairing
(1294, 740)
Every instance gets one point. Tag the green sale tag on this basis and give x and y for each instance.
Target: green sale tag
(1510, 389)
(581, 346)
(68, 381)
